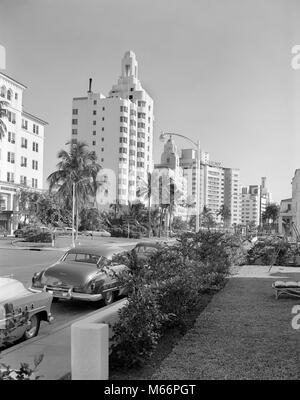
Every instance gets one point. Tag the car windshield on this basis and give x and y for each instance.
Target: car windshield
(82, 257)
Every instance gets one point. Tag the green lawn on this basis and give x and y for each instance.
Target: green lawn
(244, 333)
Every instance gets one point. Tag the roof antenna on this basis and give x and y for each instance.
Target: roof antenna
(90, 85)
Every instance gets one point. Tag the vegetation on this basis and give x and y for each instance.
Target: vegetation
(270, 215)
(167, 287)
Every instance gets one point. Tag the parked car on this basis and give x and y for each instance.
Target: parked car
(21, 311)
(144, 250)
(99, 233)
(83, 273)
(65, 230)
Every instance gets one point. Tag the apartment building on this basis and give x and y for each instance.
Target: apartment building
(119, 128)
(218, 185)
(254, 200)
(21, 151)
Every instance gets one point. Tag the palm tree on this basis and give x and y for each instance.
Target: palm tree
(271, 213)
(225, 213)
(79, 166)
(144, 190)
(2, 116)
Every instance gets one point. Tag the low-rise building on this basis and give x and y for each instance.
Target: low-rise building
(21, 152)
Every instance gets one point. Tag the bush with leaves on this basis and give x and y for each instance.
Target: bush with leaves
(137, 332)
(37, 236)
(272, 250)
(167, 286)
(24, 373)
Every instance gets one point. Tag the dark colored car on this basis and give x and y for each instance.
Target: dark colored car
(82, 273)
(144, 250)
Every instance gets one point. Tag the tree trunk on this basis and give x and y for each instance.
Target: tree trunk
(149, 219)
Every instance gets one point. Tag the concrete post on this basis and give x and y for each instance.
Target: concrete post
(89, 351)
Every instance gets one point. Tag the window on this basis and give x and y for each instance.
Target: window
(10, 177)
(35, 146)
(95, 102)
(133, 112)
(132, 142)
(123, 150)
(123, 129)
(102, 148)
(102, 159)
(131, 152)
(34, 183)
(94, 133)
(141, 135)
(94, 112)
(9, 93)
(11, 117)
(141, 103)
(11, 137)
(102, 118)
(74, 121)
(141, 115)
(123, 140)
(140, 164)
(74, 131)
(103, 108)
(94, 122)
(141, 144)
(23, 180)
(102, 139)
(123, 109)
(140, 154)
(24, 143)
(123, 119)
(94, 143)
(34, 164)
(16, 96)
(75, 111)
(11, 157)
(102, 129)
(23, 161)
(141, 125)
(24, 124)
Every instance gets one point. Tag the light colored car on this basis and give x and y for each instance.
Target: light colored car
(99, 233)
(21, 311)
(144, 250)
(82, 273)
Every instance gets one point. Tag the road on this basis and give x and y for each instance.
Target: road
(22, 264)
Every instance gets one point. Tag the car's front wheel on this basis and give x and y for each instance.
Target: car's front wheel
(33, 327)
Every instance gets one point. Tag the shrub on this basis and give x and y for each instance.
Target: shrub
(137, 331)
(36, 236)
(24, 373)
(270, 251)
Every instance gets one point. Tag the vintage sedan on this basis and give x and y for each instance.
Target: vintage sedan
(82, 273)
(21, 311)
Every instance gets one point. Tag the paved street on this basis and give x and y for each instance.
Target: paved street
(22, 264)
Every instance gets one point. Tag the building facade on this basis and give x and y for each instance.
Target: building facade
(254, 200)
(21, 152)
(218, 185)
(119, 128)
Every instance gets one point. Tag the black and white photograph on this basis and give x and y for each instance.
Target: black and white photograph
(149, 193)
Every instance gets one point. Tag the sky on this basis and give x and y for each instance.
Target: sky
(219, 71)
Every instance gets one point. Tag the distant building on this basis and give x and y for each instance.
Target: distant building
(119, 128)
(21, 152)
(254, 200)
(172, 186)
(289, 218)
(218, 185)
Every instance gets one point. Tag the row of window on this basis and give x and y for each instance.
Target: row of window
(23, 180)
(8, 94)
(24, 143)
(35, 128)
(11, 159)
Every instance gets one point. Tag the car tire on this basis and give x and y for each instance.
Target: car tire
(33, 328)
(108, 297)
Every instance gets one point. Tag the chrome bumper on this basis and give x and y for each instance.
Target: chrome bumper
(69, 295)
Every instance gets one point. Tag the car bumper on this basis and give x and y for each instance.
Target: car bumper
(69, 295)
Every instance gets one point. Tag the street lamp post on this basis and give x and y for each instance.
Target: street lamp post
(198, 161)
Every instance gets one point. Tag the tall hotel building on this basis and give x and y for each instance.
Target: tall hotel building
(119, 128)
(21, 152)
(218, 185)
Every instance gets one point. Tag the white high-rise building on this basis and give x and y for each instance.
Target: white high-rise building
(119, 128)
(218, 185)
(21, 151)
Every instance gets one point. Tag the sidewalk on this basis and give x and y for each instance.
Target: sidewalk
(244, 333)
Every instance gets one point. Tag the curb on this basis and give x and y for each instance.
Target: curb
(36, 248)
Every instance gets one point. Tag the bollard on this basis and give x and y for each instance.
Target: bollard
(89, 351)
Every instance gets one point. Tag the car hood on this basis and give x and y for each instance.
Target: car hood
(71, 274)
